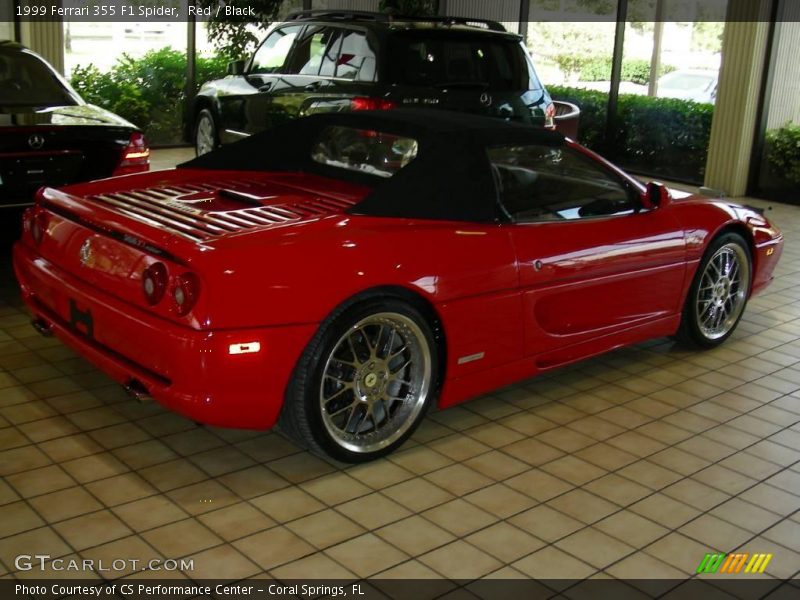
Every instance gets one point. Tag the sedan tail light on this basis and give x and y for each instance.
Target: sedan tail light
(365, 103)
(185, 290)
(550, 116)
(135, 156)
(154, 283)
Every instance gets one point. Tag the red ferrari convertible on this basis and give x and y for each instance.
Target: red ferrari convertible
(341, 273)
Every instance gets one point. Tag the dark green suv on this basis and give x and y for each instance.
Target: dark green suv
(328, 61)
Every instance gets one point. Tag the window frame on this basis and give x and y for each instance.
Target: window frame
(633, 193)
(249, 70)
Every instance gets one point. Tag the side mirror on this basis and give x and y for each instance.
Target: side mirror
(657, 195)
(236, 67)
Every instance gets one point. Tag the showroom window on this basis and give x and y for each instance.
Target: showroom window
(271, 55)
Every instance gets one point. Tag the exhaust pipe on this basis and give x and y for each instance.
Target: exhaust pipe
(136, 390)
(42, 326)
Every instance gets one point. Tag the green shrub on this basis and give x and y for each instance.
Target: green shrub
(635, 70)
(783, 151)
(662, 136)
(148, 91)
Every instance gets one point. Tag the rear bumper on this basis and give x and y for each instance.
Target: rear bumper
(186, 370)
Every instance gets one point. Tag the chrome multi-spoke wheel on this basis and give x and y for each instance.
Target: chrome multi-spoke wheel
(723, 291)
(205, 133)
(365, 380)
(719, 292)
(375, 382)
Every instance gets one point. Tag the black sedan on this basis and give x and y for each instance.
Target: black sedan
(50, 136)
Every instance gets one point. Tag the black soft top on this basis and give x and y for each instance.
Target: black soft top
(450, 179)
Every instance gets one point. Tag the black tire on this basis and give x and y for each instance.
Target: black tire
(694, 330)
(303, 418)
(205, 133)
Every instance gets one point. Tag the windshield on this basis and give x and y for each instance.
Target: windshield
(364, 150)
(457, 60)
(25, 80)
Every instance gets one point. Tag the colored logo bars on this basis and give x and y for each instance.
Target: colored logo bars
(734, 563)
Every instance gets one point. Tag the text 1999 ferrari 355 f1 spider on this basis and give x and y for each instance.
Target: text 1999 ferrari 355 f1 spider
(342, 272)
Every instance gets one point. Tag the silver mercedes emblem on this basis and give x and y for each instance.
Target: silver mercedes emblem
(36, 141)
(486, 99)
(86, 252)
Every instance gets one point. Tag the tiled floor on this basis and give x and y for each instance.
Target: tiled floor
(632, 465)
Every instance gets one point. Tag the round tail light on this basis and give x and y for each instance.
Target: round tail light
(154, 283)
(38, 225)
(185, 292)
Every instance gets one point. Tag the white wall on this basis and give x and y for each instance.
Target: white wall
(6, 30)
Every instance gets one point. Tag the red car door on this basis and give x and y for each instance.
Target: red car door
(595, 267)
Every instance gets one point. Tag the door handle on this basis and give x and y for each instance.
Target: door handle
(313, 87)
(266, 87)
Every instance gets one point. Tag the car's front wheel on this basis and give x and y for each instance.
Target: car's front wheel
(364, 382)
(205, 133)
(718, 294)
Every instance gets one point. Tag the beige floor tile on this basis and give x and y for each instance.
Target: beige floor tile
(417, 494)
(679, 551)
(120, 489)
(459, 517)
(746, 515)
(574, 470)
(131, 548)
(21, 459)
(145, 454)
(252, 482)
(595, 427)
(500, 500)
(366, 555)
(420, 460)
(539, 485)
(665, 510)
(373, 511)
(594, 547)
(617, 489)
(546, 523)
(460, 560)
(565, 439)
(11, 437)
(505, 542)
(181, 538)
(458, 447)
(723, 479)
(606, 456)
(315, 566)
(222, 563)
(496, 465)
(650, 474)
(715, 533)
(528, 424)
(236, 521)
(788, 481)
(458, 479)
(287, 504)
(149, 513)
(273, 547)
(222, 460)
(631, 528)
(552, 563)
(679, 461)
(418, 584)
(326, 528)
(92, 529)
(772, 498)
(645, 567)
(415, 535)
(379, 474)
(94, 467)
(202, 497)
(192, 441)
(494, 435)
(664, 432)
(17, 517)
(335, 488)
(123, 434)
(40, 481)
(784, 561)
(48, 429)
(42, 540)
(786, 533)
(695, 494)
(583, 506)
(65, 504)
(532, 451)
(300, 467)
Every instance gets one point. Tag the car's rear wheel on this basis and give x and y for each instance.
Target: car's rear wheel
(719, 292)
(205, 133)
(364, 383)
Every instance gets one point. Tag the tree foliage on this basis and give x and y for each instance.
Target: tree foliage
(236, 38)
